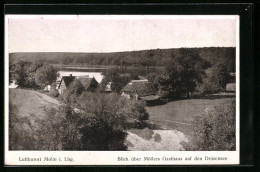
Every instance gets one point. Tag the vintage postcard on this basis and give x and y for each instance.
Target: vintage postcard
(122, 89)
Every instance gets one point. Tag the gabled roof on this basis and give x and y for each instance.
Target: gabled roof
(67, 80)
(86, 82)
(141, 88)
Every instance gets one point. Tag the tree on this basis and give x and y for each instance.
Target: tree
(136, 110)
(35, 65)
(74, 90)
(221, 75)
(185, 71)
(45, 75)
(161, 81)
(19, 74)
(119, 78)
(215, 129)
(180, 75)
(105, 119)
(24, 73)
(215, 80)
(99, 121)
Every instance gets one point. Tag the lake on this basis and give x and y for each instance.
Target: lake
(142, 71)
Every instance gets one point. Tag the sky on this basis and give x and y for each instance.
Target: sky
(105, 33)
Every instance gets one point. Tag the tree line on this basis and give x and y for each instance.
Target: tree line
(188, 75)
(143, 58)
(33, 75)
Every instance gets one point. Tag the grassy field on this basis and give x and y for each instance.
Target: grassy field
(178, 115)
(170, 125)
(31, 102)
(28, 122)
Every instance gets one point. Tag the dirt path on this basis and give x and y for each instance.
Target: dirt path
(159, 140)
(31, 102)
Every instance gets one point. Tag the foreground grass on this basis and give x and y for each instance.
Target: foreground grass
(179, 114)
(31, 102)
(29, 118)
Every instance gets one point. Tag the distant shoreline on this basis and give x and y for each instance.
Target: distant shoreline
(133, 59)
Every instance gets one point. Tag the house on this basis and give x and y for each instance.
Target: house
(140, 89)
(64, 83)
(90, 84)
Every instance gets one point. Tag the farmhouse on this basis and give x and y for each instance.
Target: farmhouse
(140, 89)
(64, 83)
(90, 84)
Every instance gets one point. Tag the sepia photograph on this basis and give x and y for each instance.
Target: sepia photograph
(136, 88)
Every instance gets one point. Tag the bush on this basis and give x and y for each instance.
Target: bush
(208, 87)
(13, 120)
(215, 80)
(21, 136)
(71, 94)
(136, 110)
(215, 129)
(76, 87)
(98, 124)
(54, 93)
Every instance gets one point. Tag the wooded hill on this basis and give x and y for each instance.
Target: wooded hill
(143, 58)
